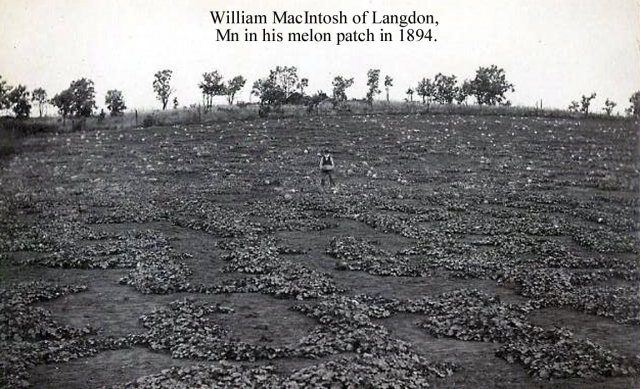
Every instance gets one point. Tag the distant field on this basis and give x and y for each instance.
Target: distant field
(454, 251)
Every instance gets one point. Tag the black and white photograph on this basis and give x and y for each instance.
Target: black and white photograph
(319, 194)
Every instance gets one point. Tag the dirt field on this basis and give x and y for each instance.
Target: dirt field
(454, 251)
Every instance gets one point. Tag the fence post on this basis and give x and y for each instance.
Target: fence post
(136, 118)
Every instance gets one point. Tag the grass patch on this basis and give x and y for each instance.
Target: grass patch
(12, 130)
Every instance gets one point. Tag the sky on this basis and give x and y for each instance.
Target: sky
(551, 50)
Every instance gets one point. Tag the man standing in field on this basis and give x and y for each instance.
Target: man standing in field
(326, 168)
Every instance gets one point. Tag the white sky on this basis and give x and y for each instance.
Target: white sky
(554, 50)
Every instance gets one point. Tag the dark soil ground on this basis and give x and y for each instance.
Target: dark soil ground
(503, 252)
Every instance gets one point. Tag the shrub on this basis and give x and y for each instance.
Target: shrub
(6, 146)
(78, 125)
(149, 121)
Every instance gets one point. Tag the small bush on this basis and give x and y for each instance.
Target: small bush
(149, 121)
(264, 110)
(6, 147)
(78, 125)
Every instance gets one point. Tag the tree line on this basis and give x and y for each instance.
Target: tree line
(279, 88)
(284, 86)
(78, 100)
